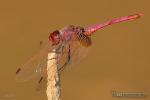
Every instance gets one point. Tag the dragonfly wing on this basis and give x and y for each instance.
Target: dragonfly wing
(35, 66)
(72, 54)
(78, 53)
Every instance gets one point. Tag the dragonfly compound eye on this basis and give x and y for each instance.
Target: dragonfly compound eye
(55, 37)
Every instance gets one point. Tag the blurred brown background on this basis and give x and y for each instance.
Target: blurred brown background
(118, 60)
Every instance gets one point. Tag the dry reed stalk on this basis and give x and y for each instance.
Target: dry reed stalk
(53, 81)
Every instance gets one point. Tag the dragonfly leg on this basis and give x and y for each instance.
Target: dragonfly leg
(69, 54)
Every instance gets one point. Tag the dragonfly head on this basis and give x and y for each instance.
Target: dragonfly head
(55, 37)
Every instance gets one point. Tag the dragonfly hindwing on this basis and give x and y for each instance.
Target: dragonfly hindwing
(83, 39)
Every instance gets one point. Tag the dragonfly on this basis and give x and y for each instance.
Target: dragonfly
(70, 43)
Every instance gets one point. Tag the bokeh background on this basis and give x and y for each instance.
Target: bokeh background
(119, 59)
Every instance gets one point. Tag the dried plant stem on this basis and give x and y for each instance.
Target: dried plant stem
(53, 82)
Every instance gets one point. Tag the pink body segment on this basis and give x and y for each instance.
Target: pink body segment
(91, 29)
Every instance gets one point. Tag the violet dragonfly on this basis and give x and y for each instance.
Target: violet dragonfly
(70, 42)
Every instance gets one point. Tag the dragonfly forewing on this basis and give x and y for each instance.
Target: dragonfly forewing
(35, 66)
